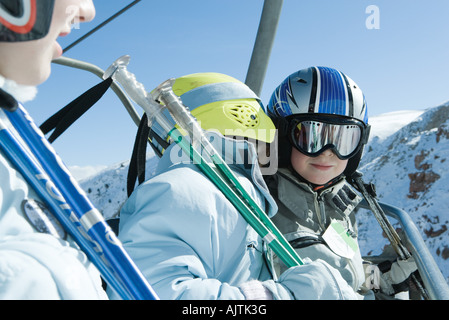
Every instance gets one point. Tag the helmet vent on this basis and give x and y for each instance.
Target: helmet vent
(243, 114)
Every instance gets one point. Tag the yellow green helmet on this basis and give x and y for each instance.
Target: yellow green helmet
(222, 103)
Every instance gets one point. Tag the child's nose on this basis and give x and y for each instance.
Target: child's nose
(328, 153)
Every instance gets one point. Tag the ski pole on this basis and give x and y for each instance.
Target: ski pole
(104, 250)
(387, 227)
(239, 198)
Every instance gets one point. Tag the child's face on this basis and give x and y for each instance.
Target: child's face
(29, 62)
(318, 170)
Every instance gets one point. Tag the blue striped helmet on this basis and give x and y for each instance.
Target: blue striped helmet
(313, 92)
(318, 90)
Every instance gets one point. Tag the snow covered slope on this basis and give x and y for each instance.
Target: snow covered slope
(107, 188)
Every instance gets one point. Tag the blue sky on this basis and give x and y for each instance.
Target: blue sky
(402, 65)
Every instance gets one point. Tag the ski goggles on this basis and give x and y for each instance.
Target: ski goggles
(312, 135)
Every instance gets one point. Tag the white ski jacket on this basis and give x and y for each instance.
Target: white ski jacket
(35, 264)
(191, 243)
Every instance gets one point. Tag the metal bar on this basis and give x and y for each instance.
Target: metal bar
(264, 42)
(77, 64)
(431, 275)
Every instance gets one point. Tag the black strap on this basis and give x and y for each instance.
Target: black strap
(138, 158)
(163, 143)
(7, 101)
(137, 163)
(306, 241)
(65, 117)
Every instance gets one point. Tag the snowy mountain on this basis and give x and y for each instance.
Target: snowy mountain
(409, 170)
(405, 159)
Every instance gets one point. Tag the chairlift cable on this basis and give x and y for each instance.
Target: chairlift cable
(100, 26)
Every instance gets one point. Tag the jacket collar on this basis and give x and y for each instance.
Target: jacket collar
(339, 195)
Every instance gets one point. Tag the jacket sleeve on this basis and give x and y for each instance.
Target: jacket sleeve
(315, 280)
